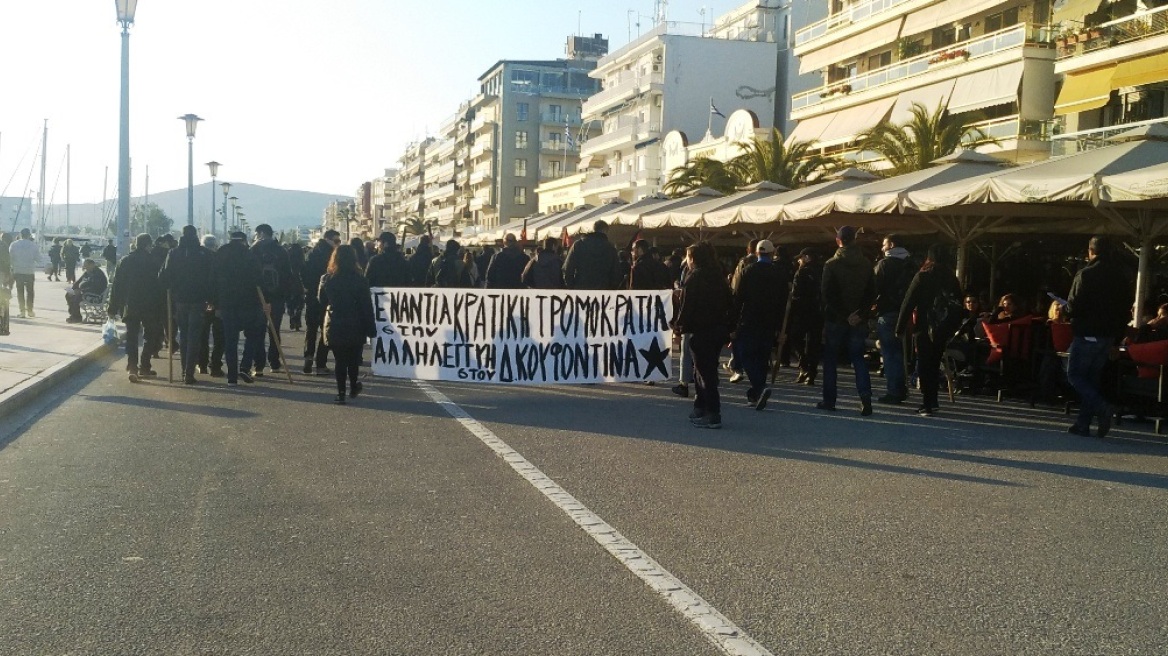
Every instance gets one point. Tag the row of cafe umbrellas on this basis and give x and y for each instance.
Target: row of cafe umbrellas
(1120, 189)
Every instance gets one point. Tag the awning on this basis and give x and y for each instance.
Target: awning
(930, 96)
(1138, 72)
(995, 86)
(809, 129)
(848, 123)
(1074, 10)
(944, 14)
(1084, 91)
(851, 47)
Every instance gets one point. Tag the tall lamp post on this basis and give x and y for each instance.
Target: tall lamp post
(226, 190)
(233, 199)
(214, 166)
(192, 122)
(126, 9)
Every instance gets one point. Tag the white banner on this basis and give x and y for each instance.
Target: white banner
(522, 336)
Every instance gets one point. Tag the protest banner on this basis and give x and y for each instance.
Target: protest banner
(522, 336)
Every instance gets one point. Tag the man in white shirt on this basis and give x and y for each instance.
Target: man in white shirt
(25, 255)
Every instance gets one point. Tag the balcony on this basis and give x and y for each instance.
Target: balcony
(854, 14)
(1074, 142)
(1012, 37)
(556, 147)
(625, 130)
(1128, 29)
(440, 192)
(598, 183)
(482, 145)
(626, 86)
(478, 177)
(559, 119)
(546, 174)
(481, 121)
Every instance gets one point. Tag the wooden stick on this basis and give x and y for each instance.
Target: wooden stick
(169, 340)
(783, 333)
(275, 337)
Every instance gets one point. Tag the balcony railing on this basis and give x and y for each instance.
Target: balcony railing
(555, 174)
(1012, 37)
(627, 83)
(854, 14)
(478, 176)
(1136, 27)
(440, 192)
(556, 146)
(600, 142)
(559, 119)
(1074, 142)
(604, 181)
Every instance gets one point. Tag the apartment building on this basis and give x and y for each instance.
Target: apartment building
(1112, 61)
(988, 60)
(383, 196)
(670, 79)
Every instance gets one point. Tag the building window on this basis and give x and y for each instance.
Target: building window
(521, 195)
(521, 110)
(555, 139)
(555, 112)
(880, 60)
(524, 78)
(521, 139)
(521, 167)
(1001, 21)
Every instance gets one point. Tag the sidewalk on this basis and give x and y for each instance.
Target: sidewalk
(41, 352)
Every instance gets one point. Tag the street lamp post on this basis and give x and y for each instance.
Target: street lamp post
(192, 122)
(214, 166)
(233, 199)
(126, 9)
(226, 190)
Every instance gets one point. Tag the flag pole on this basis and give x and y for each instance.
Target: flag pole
(710, 119)
(567, 142)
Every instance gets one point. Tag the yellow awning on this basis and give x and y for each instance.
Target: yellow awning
(1138, 72)
(1085, 91)
(1074, 9)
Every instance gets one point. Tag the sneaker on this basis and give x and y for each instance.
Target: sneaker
(801, 378)
(147, 373)
(307, 366)
(681, 390)
(258, 373)
(1076, 429)
(189, 380)
(232, 383)
(340, 400)
(891, 399)
(866, 407)
(736, 377)
(824, 405)
(925, 411)
(1104, 423)
(246, 377)
(31, 314)
(203, 370)
(763, 397)
(217, 373)
(709, 421)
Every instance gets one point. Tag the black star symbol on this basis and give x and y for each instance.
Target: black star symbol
(655, 359)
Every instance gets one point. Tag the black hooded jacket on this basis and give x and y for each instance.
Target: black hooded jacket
(315, 266)
(187, 273)
(388, 269)
(237, 276)
(136, 289)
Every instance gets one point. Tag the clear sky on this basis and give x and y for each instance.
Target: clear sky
(297, 94)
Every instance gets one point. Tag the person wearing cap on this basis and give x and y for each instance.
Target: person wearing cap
(506, 269)
(805, 327)
(187, 275)
(389, 267)
(893, 274)
(848, 289)
(446, 270)
(647, 272)
(237, 274)
(135, 297)
(592, 262)
(759, 303)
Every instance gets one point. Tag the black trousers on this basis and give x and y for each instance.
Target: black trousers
(314, 346)
(138, 325)
(706, 349)
(212, 328)
(348, 363)
(929, 373)
(807, 343)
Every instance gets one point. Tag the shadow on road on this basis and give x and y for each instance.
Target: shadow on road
(171, 406)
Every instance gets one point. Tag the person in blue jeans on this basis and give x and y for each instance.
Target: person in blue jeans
(237, 274)
(848, 289)
(1100, 306)
(893, 274)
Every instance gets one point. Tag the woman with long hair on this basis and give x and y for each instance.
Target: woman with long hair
(348, 317)
(935, 299)
(705, 314)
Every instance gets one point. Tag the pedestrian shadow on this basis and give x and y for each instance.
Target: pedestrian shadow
(172, 406)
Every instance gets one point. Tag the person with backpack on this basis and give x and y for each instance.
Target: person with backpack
(446, 270)
(935, 299)
(506, 269)
(276, 277)
(893, 274)
(546, 269)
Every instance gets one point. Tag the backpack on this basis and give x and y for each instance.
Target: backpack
(449, 273)
(947, 313)
(269, 272)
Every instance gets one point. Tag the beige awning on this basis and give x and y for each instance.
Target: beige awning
(930, 96)
(995, 86)
(848, 123)
(1084, 91)
(1138, 72)
(851, 47)
(809, 129)
(1074, 10)
(943, 14)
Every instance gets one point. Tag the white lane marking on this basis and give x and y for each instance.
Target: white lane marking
(714, 626)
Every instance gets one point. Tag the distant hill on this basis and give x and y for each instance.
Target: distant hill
(280, 208)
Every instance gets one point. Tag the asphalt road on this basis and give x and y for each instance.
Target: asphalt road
(159, 519)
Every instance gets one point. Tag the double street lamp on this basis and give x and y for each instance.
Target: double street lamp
(126, 9)
(192, 122)
(214, 166)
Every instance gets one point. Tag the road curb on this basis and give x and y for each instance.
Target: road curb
(24, 393)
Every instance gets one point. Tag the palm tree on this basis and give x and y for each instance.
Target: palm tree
(769, 159)
(925, 137)
(700, 172)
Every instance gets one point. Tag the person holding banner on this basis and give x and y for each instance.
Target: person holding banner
(706, 305)
(592, 263)
(506, 268)
(348, 317)
(389, 267)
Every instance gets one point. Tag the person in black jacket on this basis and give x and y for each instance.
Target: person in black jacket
(420, 262)
(92, 282)
(389, 267)
(315, 266)
(506, 269)
(211, 359)
(70, 257)
(295, 300)
(546, 269)
(237, 273)
(847, 291)
(647, 272)
(276, 281)
(187, 276)
(348, 317)
(924, 299)
(1100, 306)
(446, 270)
(592, 262)
(705, 309)
(759, 304)
(135, 297)
(893, 273)
(110, 255)
(805, 327)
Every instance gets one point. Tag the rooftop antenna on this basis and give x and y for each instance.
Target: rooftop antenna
(661, 11)
(702, 11)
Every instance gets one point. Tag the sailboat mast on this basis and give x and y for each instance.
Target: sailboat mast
(68, 180)
(44, 168)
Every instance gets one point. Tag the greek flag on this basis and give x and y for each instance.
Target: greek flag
(568, 137)
(714, 110)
